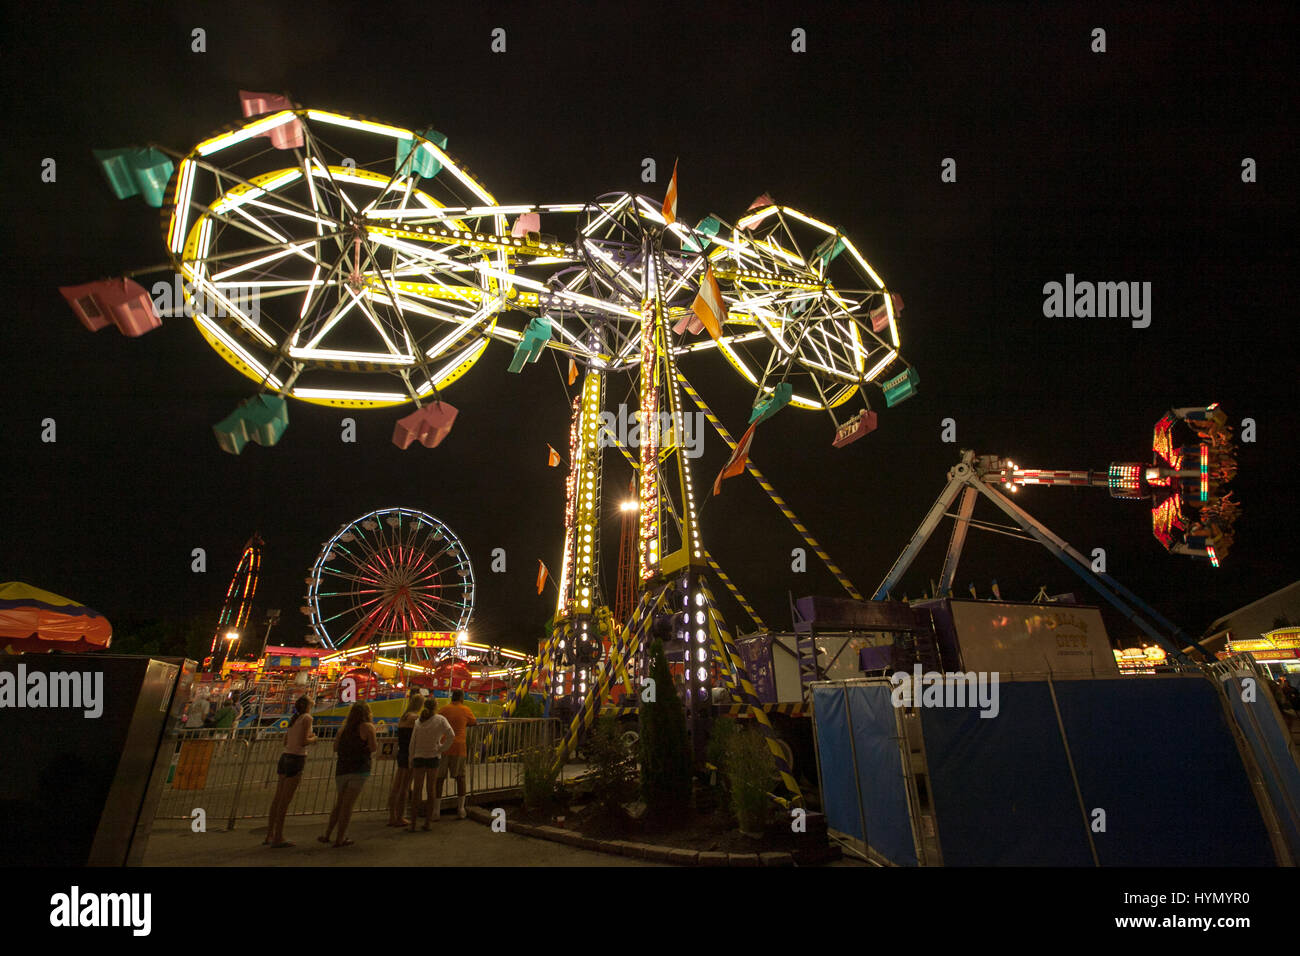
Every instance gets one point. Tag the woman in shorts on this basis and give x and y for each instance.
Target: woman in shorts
(354, 745)
(402, 775)
(290, 768)
(432, 736)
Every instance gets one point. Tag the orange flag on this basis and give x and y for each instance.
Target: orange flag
(736, 464)
(708, 305)
(573, 371)
(552, 458)
(541, 575)
(670, 201)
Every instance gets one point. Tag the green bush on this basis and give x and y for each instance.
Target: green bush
(667, 766)
(527, 706)
(717, 795)
(613, 771)
(748, 764)
(539, 779)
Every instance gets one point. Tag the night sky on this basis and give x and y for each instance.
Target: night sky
(1122, 166)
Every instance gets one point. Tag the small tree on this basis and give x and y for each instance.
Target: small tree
(539, 779)
(613, 776)
(527, 706)
(748, 764)
(720, 742)
(667, 766)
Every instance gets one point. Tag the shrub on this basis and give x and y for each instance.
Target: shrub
(667, 766)
(748, 764)
(613, 772)
(721, 735)
(539, 779)
(527, 706)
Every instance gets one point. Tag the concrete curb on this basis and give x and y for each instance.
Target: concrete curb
(675, 856)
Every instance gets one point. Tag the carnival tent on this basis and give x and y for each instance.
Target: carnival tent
(32, 620)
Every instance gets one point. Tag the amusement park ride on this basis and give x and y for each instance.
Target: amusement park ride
(1192, 512)
(384, 269)
(237, 606)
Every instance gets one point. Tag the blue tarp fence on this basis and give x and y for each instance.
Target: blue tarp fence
(1111, 772)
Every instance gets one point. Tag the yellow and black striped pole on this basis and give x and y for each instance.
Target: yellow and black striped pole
(735, 592)
(722, 575)
(743, 690)
(520, 690)
(771, 492)
(625, 648)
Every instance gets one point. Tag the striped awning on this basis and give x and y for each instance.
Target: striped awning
(35, 620)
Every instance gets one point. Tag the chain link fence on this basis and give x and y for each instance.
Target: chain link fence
(231, 774)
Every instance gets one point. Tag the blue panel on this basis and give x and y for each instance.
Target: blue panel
(880, 773)
(1269, 742)
(1159, 757)
(835, 757)
(1001, 786)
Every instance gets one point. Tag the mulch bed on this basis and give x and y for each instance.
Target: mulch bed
(706, 831)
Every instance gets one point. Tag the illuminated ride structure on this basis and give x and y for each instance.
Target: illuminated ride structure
(1192, 512)
(394, 590)
(388, 573)
(237, 607)
(381, 269)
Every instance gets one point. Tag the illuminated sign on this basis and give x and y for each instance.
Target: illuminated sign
(1280, 644)
(432, 639)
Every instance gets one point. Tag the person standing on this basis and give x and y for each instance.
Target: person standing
(355, 744)
(290, 768)
(397, 797)
(229, 714)
(198, 712)
(432, 737)
(460, 717)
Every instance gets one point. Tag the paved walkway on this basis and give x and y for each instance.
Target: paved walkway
(451, 842)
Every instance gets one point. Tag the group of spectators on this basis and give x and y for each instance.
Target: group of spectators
(206, 713)
(430, 748)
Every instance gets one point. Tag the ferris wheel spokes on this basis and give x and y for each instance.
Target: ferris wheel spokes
(403, 571)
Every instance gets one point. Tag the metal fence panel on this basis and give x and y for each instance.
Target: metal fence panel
(231, 774)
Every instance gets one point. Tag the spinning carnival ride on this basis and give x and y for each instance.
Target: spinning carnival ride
(380, 270)
(238, 605)
(1192, 512)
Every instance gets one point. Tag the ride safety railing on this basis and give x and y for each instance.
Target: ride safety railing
(231, 774)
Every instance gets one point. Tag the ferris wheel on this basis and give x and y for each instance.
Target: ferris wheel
(350, 308)
(344, 261)
(386, 573)
(805, 311)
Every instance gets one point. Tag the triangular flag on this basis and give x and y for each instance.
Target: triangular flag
(573, 371)
(708, 304)
(541, 575)
(996, 593)
(553, 458)
(972, 591)
(670, 200)
(736, 463)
